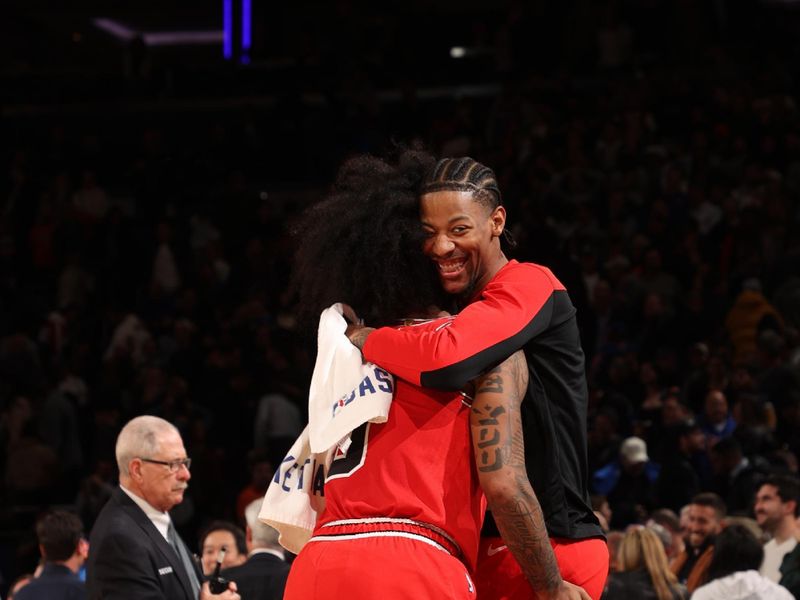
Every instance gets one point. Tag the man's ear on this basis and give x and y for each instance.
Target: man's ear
(498, 221)
(83, 548)
(135, 469)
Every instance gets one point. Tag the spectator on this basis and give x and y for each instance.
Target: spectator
(222, 535)
(263, 576)
(58, 428)
(601, 510)
(790, 571)
(643, 570)
(19, 583)
(64, 550)
(716, 420)
(776, 510)
(94, 491)
(683, 520)
(604, 440)
(678, 481)
(705, 515)
(733, 572)
(628, 483)
(749, 524)
(671, 524)
(135, 550)
(32, 469)
(614, 539)
(261, 471)
(750, 314)
(736, 477)
(277, 424)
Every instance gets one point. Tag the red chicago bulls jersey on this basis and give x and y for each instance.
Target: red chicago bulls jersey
(418, 465)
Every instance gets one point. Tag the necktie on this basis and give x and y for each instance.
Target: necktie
(180, 549)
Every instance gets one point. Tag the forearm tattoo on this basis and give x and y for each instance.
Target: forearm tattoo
(358, 337)
(500, 453)
(521, 523)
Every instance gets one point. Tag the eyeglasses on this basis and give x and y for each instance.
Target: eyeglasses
(173, 465)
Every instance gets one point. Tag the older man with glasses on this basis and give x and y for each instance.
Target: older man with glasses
(135, 551)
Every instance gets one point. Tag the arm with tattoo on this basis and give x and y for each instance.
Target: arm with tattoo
(358, 334)
(500, 459)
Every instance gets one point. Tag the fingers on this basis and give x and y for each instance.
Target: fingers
(230, 594)
(350, 314)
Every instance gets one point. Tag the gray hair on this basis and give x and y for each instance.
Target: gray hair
(140, 438)
(263, 535)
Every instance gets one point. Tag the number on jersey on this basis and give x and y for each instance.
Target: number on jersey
(350, 462)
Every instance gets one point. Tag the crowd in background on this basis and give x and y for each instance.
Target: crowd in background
(144, 263)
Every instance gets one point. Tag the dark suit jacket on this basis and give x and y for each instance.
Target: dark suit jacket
(130, 559)
(262, 577)
(56, 582)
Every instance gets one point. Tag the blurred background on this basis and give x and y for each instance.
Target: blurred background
(152, 153)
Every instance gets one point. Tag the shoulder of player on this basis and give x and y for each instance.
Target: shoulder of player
(509, 375)
(526, 274)
(516, 368)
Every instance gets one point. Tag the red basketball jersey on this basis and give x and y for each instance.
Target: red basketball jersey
(418, 465)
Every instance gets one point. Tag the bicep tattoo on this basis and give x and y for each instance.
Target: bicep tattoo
(489, 437)
(495, 418)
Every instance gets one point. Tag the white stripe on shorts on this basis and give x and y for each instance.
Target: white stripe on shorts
(369, 534)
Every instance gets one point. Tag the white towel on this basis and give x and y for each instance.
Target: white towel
(344, 394)
(287, 503)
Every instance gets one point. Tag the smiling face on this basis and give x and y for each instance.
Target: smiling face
(463, 239)
(703, 522)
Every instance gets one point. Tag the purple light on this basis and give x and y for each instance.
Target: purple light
(182, 38)
(246, 25)
(125, 33)
(115, 28)
(227, 28)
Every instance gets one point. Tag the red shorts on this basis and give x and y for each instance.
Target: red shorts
(377, 567)
(499, 577)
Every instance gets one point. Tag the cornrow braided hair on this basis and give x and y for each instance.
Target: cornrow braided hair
(464, 174)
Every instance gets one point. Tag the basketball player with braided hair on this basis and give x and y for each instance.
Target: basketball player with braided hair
(505, 306)
(403, 507)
